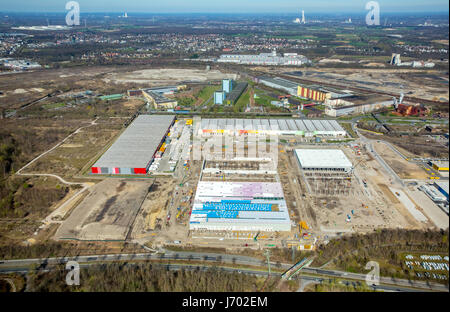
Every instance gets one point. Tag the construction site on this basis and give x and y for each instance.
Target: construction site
(254, 186)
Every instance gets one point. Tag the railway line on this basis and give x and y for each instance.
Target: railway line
(347, 87)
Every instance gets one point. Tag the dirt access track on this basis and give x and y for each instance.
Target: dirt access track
(108, 212)
(403, 168)
(166, 76)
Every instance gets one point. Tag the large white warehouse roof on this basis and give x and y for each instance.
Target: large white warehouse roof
(240, 206)
(323, 159)
(289, 126)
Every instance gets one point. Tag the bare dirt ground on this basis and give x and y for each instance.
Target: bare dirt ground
(426, 84)
(403, 168)
(25, 87)
(68, 159)
(108, 212)
(152, 225)
(166, 76)
(432, 211)
(20, 88)
(370, 207)
(155, 207)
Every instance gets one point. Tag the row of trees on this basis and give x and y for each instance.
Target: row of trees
(352, 253)
(143, 278)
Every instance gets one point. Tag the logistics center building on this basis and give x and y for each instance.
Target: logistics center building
(240, 206)
(323, 160)
(296, 127)
(311, 92)
(135, 149)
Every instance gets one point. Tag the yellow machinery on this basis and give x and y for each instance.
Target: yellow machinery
(439, 167)
(303, 226)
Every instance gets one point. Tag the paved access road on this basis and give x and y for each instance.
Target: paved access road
(239, 260)
(384, 280)
(309, 280)
(305, 280)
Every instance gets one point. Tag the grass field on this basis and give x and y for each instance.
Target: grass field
(206, 93)
(242, 103)
(263, 100)
(348, 127)
(53, 105)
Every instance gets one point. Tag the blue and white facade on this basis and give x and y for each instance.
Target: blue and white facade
(227, 85)
(240, 206)
(443, 188)
(219, 97)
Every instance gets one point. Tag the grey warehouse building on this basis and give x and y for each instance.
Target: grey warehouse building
(280, 83)
(135, 149)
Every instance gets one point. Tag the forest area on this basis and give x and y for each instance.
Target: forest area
(121, 277)
(352, 253)
(348, 253)
(19, 143)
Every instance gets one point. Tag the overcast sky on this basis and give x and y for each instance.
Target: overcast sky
(225, 6)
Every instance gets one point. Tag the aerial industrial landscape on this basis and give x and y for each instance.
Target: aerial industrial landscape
(224, 152)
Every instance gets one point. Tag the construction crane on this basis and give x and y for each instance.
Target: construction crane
(303, 226)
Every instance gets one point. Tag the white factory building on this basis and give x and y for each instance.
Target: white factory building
(264, 59)
(296, 127)
(240, 206)
(331, 160)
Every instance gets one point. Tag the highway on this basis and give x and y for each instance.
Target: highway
(308, 280)
(304, 279)
(167, 255)
(393, 283)
(23, 265)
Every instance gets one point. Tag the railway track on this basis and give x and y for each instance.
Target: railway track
(352, 88)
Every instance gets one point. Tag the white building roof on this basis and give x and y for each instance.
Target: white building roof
(137, 144)
(322, 158)
(255, 196)
(275, 125)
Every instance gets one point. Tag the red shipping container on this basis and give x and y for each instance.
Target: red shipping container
(140, 171)
(95, 170)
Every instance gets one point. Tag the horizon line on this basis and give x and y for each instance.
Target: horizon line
(230, 13)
